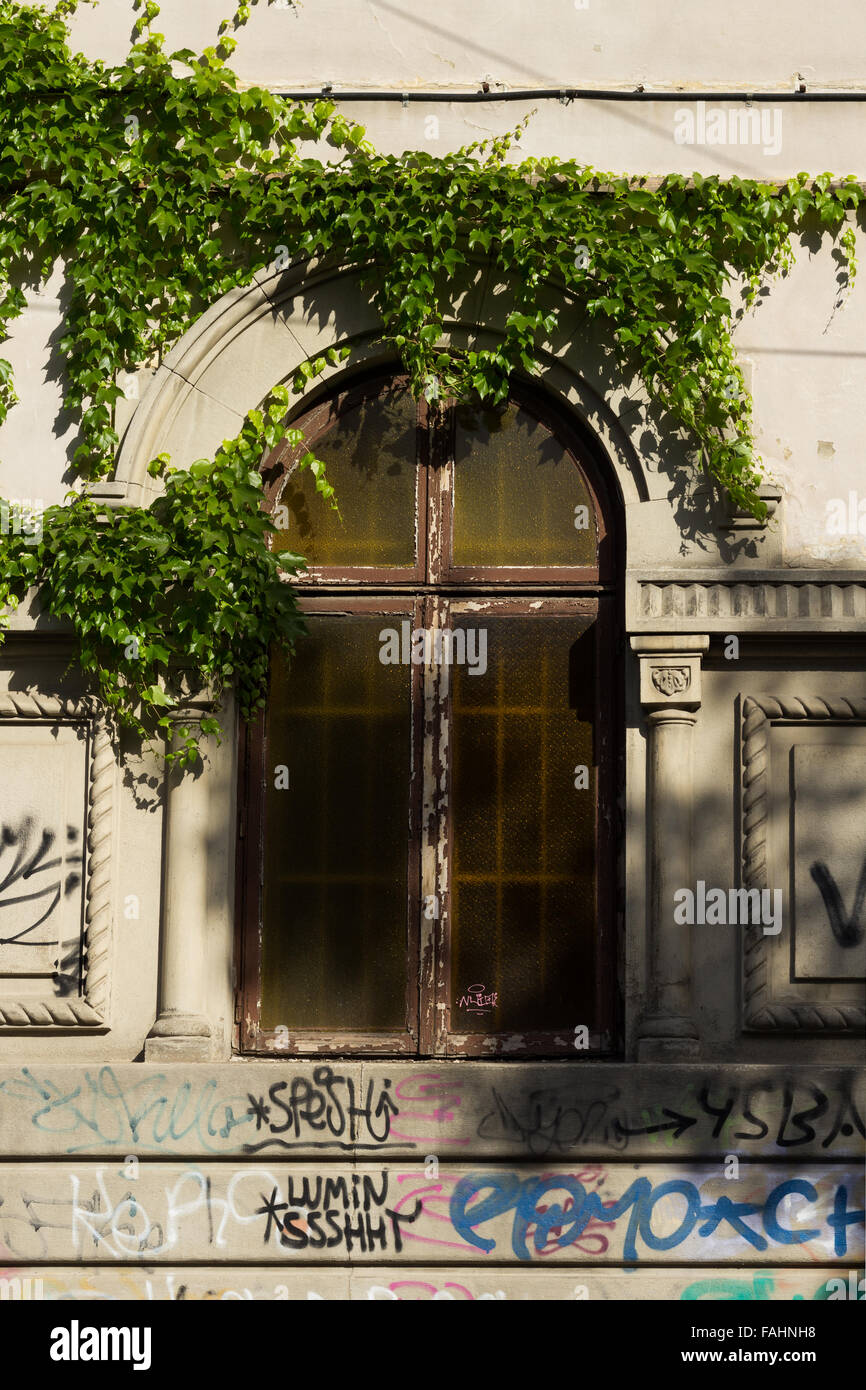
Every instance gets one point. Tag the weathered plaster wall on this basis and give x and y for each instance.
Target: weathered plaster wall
(605, 43)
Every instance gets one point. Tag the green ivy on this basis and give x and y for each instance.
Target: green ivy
(137, 583)
(160, 190)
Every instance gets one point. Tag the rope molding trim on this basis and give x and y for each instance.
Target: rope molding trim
(760, 1012)
(90, 1009)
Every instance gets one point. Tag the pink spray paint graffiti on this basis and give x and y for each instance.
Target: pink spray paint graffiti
(428, 1126)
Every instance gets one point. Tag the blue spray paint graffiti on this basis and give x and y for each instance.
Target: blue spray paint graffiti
(151, 1114)
(560, 1225)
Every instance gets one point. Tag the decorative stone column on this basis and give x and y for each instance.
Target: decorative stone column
(670, 692)
(182, 1032)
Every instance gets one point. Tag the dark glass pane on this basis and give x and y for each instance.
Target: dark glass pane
(517, 494)
(334, 943)
(523, 915)
(370, 458)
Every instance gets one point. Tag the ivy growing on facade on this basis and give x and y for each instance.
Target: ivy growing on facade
(160, 184)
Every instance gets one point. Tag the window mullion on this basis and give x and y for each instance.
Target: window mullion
(435, 836)
(438, 458)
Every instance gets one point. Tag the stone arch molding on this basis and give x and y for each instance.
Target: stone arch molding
(256, 336)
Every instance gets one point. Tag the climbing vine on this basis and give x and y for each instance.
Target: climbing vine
(160, 184)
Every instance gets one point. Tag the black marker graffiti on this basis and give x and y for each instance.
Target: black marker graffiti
(848, 931)
(560, 1118)
(553, 1120)
(328, 1105)
(676, 1122)
(31, 859)
(320, 1215)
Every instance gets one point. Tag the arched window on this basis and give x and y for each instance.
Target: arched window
(436, 877)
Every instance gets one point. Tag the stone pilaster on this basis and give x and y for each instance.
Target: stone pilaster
(181, 1031)
(670, 693)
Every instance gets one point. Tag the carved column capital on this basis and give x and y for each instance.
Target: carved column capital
(670, 670)
(194, 701)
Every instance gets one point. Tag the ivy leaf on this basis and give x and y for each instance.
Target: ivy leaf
(155, 695)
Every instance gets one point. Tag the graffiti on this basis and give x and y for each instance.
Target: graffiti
(337, 1213)
(848, 931)
(793, 1128)
(673, 1121)
(546, 1121)
(359, 1214)
(155, 1114)
(429, 1088)
(23, 882)
(98, 1222)
(284, 1282)
(319, 1106)
(417, 1291)
(146, 1115)
(559, 1225)
(125, 1285)
(435, 1206)
(763, 1286)
(475, 1001)
(432, 1200)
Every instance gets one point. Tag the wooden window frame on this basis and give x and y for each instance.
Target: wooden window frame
(438, 1038)
(425, 593)
(434, 497)
(583, 454)
(254, 766)
(318, 421)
